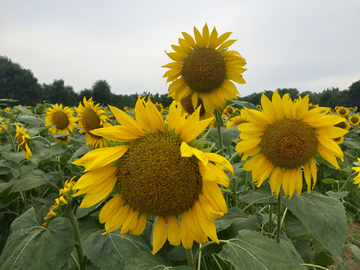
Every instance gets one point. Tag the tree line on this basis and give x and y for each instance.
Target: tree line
(20, 84)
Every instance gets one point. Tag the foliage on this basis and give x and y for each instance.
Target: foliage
(312, 226)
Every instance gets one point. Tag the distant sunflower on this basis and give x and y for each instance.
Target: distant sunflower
(61, 119)
(160, 107)
(23, 140)
(342, 111)
(357, 178)
(284, 138)
(91, 117)
(3, 126)
(339, 140)
(236, 120)
(354, 120)
(228, 110)
(204, 68)
(156, 172)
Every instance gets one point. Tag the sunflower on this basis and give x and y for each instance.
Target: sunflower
(284, 138)
(342, 111)
(91, 117)
(344, 124)
(3, 126)
(357, 178)
(61, 119)
(154, 171)
(204, 68)
(61, 203)
(354, 120)
(236, 120)
(160, 107)
(23, 141)
(228, 110)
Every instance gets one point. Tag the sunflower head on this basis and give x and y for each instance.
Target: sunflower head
(204, 68)
(283, 139)
(23, 140)
(228, 110)
(3, 126)
(61, 119)
(61, 203)
(342, 111)
(344, 124)
(91, 117)
(160, 107)
(156, 172)
(357, 178)
(236, 120)
(354, 120)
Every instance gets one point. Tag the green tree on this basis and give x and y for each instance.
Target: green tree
(101, 92)
(18, 83)
(85, 93)
(58, 92)
(354, 94)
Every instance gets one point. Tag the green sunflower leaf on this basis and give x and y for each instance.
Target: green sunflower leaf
(323, 216)
(31, 246)
(245, 104)
(30, 180)
(251, 250)
(228, 135)
(111, 251)
(146, 261)
(31, 120)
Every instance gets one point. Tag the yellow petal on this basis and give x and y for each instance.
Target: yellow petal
(140, 225)
(159, 235)
(111, 207)
(173, 231)
(207, 225)
(205, 36)
(198, 38)
(188, 151)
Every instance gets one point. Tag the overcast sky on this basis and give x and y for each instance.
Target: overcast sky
(308, 45)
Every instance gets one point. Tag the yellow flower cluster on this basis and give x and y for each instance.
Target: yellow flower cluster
(58, 208)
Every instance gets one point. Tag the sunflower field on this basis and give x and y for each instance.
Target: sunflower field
(209, 182)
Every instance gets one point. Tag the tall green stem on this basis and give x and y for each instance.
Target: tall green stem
(278, 231)
(347, 181)
(70, 215)
(189, 257)
(219, 124)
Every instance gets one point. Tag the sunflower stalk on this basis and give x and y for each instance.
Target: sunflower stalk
(278, 231)
(70, 215)
(190, 258)
(219, 124)
(347, 181)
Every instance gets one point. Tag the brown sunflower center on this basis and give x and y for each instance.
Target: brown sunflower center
(188, 106)
(60, 120)
(354, 119)
(289, 143)
(90, 121)
(155, 179)
(204, 70)
(342, 111)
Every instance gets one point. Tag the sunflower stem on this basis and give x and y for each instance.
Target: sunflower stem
(234, 193)
(347, 181)
(189, 257)
(70, 215)
(219, 124)
(278, 231)
(270, 217)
